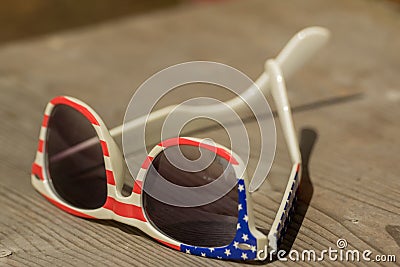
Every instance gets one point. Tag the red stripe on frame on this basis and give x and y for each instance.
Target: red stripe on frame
(169, 245)
(105, 148)
(80, 108)
(124, 210)
(67, 209)
(45, 121)
(182, 141)
(40, 146)
(110, 177)
(37, 170)
(137, 187)
(147, 162)
(177, 141)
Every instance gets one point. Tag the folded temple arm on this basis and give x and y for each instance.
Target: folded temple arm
(296, 53)
(279, 94)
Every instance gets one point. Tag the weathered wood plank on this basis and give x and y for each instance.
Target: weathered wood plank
(353, 165)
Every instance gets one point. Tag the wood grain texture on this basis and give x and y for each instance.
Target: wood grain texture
(346, 104)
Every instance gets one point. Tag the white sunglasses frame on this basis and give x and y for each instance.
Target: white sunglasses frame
(129, 210)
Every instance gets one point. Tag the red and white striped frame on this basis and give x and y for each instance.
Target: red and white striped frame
(128, 210)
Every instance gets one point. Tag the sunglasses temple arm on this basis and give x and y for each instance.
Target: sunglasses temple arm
(279, 94)
(286, 209)
(293, 56)
(276, 69)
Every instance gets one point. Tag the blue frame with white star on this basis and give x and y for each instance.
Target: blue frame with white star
(248, 240)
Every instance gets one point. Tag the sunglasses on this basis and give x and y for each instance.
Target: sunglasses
(80, 169)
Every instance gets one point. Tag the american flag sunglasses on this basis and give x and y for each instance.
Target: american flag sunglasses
(80, 169)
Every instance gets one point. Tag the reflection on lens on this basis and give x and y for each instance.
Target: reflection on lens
(75, 159)
(210, 225)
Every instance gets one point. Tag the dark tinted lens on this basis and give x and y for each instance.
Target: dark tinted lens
(75, 159)
(209, 225)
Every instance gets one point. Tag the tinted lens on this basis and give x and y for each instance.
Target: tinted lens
(209, 225)
(75, 159)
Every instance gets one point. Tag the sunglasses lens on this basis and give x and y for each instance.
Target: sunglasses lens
(75, 159)
(208, 225)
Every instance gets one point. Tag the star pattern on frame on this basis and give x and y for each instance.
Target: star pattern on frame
(244, 244)
(241, 188)
(245, 237)
(227, 252)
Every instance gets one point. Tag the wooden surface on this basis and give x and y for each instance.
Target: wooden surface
(346, 110)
